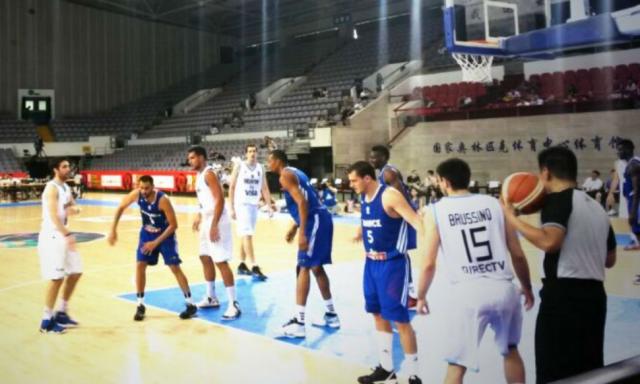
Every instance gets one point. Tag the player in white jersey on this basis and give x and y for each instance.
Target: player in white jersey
(214, 227)
(248, 184)
(59, 260)
(473, 241)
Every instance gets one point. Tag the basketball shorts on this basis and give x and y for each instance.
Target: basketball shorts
(635, 227)
(168, 248)
(246, 218)
(474, 305)
(56, 261)
(386, 287)
(221, 250)
(319, 233)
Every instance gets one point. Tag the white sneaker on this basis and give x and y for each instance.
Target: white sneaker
(209, 302)
(293, 329)
(332, 320)
(233, 312)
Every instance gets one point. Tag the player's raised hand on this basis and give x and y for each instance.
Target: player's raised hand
(112, 238)
(422, 307)
(529, 299)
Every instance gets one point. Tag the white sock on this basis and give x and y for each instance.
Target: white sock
(300, 309)
(187, 298)
(329, 304)
(231, 294)
(411, 363)
(211, 289)
(64, 305)
(385, 344)
(47, 314)
(140, 300)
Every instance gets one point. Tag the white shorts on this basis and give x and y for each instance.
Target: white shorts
(474, 305)
(221, 250)
(56, 261)
(246, 218)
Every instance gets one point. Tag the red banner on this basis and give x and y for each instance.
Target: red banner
(173, 181)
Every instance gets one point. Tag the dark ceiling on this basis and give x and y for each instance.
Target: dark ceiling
(234, 17)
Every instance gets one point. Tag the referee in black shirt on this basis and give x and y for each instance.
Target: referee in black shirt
(579, 244)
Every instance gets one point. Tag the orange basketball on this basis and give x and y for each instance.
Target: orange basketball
(525, 191)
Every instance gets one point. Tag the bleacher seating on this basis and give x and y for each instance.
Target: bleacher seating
(336, 72)
(138, 115)
(289, 61)
(171, 156)
(9, 163)
(593, 85)
(15, 131)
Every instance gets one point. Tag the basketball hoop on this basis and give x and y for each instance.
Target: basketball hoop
(475, 68)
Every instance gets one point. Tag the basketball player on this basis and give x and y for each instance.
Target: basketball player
(579, 244)
(390, 176)
(314, 227)
(248, 183)
(630, 188)
(469, 234)
(157, 236)
(59, 260)
(386, 216)
(214, 227)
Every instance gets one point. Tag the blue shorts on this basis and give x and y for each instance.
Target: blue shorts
(319, 232)
(635, 228)
(386, 288)
(412, 238)
(168, 249)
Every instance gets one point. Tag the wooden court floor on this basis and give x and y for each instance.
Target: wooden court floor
(109, 347)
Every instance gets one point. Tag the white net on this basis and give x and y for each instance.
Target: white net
(475, 68)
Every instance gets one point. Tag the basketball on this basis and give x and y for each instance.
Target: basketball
(525, 191)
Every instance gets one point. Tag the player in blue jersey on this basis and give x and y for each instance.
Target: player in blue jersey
(157, 236)
(630, 186)
(390, 176)
(631, 190)
(313, 224)
(386, 220)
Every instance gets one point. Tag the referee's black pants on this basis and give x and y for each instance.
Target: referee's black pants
(570, 328)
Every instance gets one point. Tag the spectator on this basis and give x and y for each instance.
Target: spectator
(611, 209)
(328, 194)
(252, 100)
(630, 89)
(413, 179)
(365, 94)
(379, 82)
(594, 186)
(269, 143)
(324, 92)
(465, 102)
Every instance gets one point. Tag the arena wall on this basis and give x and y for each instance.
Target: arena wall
(94, 59)
(417, 148)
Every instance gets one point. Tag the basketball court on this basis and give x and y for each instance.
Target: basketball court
(110, 347)
(490, 41)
